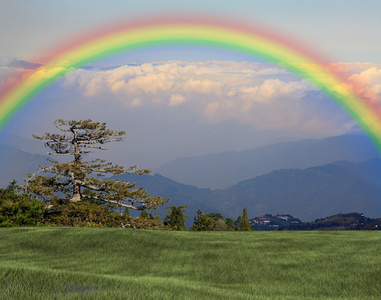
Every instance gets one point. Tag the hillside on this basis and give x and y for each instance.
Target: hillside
(115, 263)
(351, 221)
(225, 169)
(310, 193)
(16, 164)
(29, 145)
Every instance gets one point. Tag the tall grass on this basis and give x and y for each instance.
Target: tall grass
(103, 263)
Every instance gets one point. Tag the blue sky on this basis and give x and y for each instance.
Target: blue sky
(236, 102)
(344, 30)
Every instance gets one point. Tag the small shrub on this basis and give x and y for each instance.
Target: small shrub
(19, 209)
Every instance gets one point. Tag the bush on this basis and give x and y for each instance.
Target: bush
(19, 209)
(86, 214)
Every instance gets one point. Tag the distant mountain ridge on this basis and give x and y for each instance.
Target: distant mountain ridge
(16, 164)
(22, 64)
(308, 194)
(225, 169)
(349, 221)
(28, 145)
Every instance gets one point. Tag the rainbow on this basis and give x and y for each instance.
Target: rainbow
(191, 30)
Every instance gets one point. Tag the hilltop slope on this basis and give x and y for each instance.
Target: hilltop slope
(16, 164)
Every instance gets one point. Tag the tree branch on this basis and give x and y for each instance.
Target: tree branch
(60, 128)
(32, 175)
(111, 201)
(96, 147)
(89, 186)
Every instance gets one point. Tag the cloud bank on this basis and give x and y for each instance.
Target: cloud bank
(260, 94)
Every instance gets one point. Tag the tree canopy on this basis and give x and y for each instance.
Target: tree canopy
(243, 223)
(79, 180)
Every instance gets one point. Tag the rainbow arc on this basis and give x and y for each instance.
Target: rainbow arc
(191, 30)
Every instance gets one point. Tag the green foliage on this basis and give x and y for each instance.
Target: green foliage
(230, 223)
(202, 222)
(85, 214)
(243, 223)
(19, 209)
(144, 214)
(175, 218)
(211, 222)
(215, 216)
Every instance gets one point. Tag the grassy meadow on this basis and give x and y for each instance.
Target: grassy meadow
(104, 263)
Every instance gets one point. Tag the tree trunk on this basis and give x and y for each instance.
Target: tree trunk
(76, 194)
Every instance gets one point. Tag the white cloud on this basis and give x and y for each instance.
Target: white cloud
(257, 93)
(368, 83)
(190, 80)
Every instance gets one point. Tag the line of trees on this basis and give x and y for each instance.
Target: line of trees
(175, 219)
(18, 208)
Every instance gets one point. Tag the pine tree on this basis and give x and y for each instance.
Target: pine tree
(175, 219)
(202, 222)
(80, 180)
(243, 223)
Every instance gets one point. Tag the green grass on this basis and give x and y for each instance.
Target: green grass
(102, 263)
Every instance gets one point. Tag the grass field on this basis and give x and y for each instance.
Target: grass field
(102, 263)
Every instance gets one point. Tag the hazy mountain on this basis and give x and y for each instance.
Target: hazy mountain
(225, 169)
(179, 194)
(308, 194)
(24, 144)
(16, 164)
(22, 64)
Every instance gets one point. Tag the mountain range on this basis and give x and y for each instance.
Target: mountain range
(285, 183)
(16, 164)
(222, 170)
(307, 194)
(22, 64)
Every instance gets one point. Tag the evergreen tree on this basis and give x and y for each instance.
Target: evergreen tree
(144, 214)
(80, 180)
(230, 224)
(220, 225)
(215, 216)
(175, 219)
(202, 222)
(243, 223)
